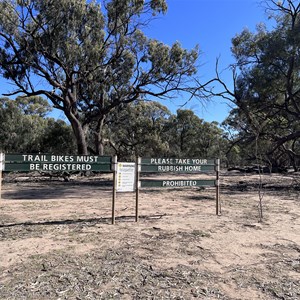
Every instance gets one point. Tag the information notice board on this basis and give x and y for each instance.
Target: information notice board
(126, 172)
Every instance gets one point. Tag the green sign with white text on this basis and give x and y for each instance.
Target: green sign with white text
(177, 168)
(177, 183)
(177, 161)
(179, 165)
(56, 163)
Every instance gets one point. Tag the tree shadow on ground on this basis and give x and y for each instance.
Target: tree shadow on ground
(201, 198)
(85, 221)
(57, 190)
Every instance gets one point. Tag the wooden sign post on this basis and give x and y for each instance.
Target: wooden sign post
(2, 158)
(114, 169)
(137, 187)
(218, 203)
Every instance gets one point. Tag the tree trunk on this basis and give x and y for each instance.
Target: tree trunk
(79, 133)
(99, 140)
(80, 138)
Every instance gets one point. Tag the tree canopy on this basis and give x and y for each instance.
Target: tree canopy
(150, 129)
(140, 129)
(267, 88)
(24, 128)
(92, 61)
(89, 58)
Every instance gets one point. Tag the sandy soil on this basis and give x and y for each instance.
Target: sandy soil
(57, 241)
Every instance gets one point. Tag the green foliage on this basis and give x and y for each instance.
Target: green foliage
(267, 90)
(190, 136)
(58, 138)
(148, 129)
(141, 128)
(91, 58)
(34, 105)
(24, 129)
(138, 130)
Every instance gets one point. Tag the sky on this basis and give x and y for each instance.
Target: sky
(211, 24)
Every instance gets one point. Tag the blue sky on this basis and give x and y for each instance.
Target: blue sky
(211, 24)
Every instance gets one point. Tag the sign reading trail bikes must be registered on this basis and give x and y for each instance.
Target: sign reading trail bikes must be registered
(126, 177)
(56, 163)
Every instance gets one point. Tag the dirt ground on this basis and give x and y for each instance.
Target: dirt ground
(57, 241)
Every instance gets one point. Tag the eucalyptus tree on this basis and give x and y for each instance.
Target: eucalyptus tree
(89, 57)
(267, 86)
(138, 130)
(20, 130)
(9, 127)
(183, 128)
(190, 136)
(57, 138)
(24, 127)
(34, 105)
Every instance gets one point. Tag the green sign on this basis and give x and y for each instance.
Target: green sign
(47, 158)
(56, 163)
(177, 183)
(177, 161)
(56, 167)
(177, 168)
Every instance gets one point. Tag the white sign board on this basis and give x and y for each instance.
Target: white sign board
(126, 177)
